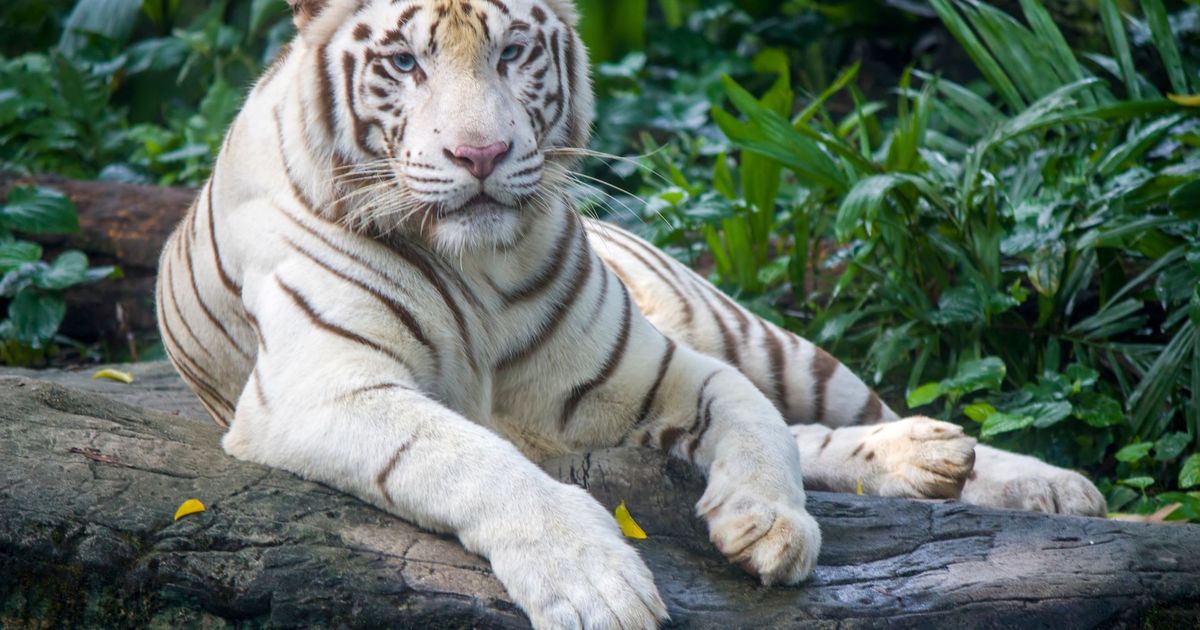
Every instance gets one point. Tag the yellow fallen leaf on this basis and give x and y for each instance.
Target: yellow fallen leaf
(114, 375)
(191, 506)
(1187, 100)
(858, 487)
(629, 527)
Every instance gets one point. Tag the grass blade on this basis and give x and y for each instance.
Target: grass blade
(1164, 41)
(978, 53)
(1114, 29)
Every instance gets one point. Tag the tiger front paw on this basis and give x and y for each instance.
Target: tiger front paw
(775, 540)
(917, 457)
(577, 571)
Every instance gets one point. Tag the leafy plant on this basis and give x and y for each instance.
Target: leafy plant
(1024, 250)
(33, 288)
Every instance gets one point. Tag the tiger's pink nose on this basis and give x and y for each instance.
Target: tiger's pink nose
(481, 161)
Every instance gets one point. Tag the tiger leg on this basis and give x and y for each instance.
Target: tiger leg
(705, 412)
(810, 386)
(807, 385)
(333, 406)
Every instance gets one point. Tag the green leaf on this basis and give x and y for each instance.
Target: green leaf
(37, 210)
(1189, 473)
(924, 394)
(1164, 41)
(13, 254)
(1170, 446)
(36, 315)
(868, 196)
(1081, 377)
(984, 61)
(979, 412)
(113, 19)
(958, 305)
(1001, 422)
(986, 373)
(1099, 410)
(1185, 200)
(722, 178)
(1046, 413)
(69, 269)
(1141, 483)
(1133, 453)
(1114, 28)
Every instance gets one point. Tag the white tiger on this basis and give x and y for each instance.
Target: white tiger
(384, 287)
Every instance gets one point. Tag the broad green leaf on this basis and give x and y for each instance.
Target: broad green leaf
(958, 305)
(113, 19)
(1001, 422)
(36, 315)
(36, 210)
(13, 254)
(1046, 413)
(1189, 473)
(925, 394)
(979, 412)
(1170, 446)
(68, 270)
(1141, 483)
(1081, 376)
(1133, 453)
(1046, 267)
(986, 373)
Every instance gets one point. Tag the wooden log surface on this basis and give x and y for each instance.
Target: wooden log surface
(90, 478)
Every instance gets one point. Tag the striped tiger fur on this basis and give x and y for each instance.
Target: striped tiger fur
(384, 287)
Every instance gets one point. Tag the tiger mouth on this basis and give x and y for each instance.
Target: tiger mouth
(481, 202)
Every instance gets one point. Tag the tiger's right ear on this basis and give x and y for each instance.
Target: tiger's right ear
(303, 11)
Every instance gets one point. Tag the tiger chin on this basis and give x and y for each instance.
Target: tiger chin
(383, 287)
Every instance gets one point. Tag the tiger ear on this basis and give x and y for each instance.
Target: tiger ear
(303, 11)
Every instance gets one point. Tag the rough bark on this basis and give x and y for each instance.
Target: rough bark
(89, 484)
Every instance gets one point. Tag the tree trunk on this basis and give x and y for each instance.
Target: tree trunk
(88, 487)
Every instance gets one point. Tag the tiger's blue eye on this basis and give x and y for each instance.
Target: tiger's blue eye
(404, 62)
(510, 53)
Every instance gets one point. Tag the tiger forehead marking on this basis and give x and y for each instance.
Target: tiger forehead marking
(461, 30)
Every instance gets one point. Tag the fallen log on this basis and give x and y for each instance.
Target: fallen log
(89, 484)
(120, 224)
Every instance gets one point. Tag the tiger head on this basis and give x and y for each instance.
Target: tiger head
(461, 114)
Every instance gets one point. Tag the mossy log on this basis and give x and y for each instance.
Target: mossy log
(89, 485)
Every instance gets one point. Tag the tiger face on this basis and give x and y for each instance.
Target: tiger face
(444, 114)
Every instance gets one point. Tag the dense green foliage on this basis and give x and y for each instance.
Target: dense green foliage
(1007, 238)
